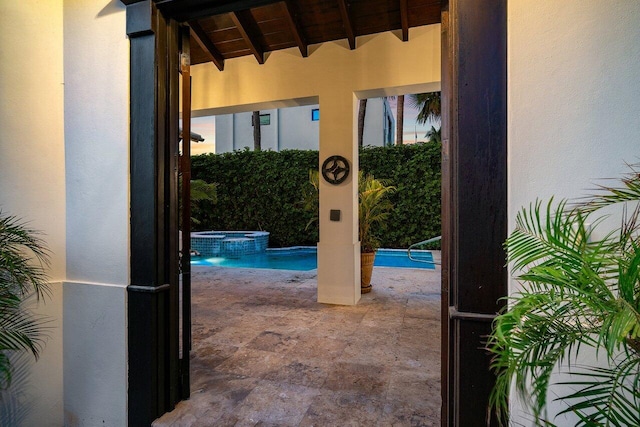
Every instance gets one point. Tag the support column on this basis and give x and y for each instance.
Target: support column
(154, 381)
(474, 208)
(339, 247)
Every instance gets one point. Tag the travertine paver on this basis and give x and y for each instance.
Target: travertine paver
(266, 354)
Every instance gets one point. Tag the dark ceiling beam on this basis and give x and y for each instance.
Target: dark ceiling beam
(249, 31)
(296, 29)
(404, 19)
(189, 10)
(200, 36)
(348, 24)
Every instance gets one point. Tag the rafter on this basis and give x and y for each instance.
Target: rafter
(296, 29)
(404, 19)
(249, 31)
(205, 43)
(188, 10)
(348, 24)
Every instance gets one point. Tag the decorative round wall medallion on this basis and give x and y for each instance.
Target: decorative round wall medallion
(335, 169)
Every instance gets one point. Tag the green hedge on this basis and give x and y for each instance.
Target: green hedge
(415, 171)
(263, 191)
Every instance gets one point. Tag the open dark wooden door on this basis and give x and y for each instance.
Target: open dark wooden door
(474, 204)
(185, 173)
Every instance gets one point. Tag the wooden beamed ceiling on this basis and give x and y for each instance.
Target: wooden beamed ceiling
(222, 30)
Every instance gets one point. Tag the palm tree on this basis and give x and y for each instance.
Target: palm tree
(23, 259)
(577, 291)
(434, 134)
(362, 112)
(374, 208)
(202, 191)
(310, 197)
(400, 120)
(257, 137)
(428, 105)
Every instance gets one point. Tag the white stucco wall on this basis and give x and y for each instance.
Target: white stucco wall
(235, 132)
(297, 130)
(32, 168)
(290, 128)
(96, 123)
(374, 125)
(573, 96)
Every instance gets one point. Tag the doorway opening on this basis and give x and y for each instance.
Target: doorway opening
(261, 335)
(477, 144)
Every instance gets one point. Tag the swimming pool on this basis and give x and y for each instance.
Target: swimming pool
(303, 258)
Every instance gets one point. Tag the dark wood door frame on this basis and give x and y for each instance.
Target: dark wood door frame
(153, 294)
(474, 200)
(474, 205)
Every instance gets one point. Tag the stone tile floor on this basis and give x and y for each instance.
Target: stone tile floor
(266, 354)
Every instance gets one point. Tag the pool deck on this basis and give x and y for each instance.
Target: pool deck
(266, 354)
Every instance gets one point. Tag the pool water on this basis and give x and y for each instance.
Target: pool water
(305, 259)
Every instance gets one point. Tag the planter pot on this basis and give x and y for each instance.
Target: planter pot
(366, 269)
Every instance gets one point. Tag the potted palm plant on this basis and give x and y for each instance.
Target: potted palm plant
(577, 291)
(23, 259)
(373, 208)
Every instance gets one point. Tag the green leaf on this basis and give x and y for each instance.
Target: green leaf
(575, 291)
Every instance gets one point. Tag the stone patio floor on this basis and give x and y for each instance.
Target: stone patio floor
(265, 353)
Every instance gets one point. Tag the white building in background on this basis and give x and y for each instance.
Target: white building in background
(297, 128)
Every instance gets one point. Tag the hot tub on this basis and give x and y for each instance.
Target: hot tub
(229, 243)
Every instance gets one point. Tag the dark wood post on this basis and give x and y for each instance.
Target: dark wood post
(474, 138)
(152, 294)
(185, 171)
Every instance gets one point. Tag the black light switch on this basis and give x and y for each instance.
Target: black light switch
(334, 215)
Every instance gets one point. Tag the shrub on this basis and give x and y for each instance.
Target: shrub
(264, 190)
(258, 190)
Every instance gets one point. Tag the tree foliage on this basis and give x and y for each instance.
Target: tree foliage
(374, 208)
(257, 190)
(428, 105)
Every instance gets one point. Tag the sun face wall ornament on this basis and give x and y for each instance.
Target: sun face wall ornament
(335, 169)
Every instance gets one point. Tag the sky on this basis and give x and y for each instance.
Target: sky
(206, 127)
(411, 128)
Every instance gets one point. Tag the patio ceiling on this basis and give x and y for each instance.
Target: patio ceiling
(221, 30)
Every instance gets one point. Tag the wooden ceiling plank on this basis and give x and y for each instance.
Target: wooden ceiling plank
(248, 29)
(205, 43)
(348, 23)
(296, 29)
(189, 10)
(404, 19)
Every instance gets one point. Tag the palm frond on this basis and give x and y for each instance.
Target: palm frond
(575, 291)
(202, 190)
(21, 330)
(374, 208)
(14, 407)
(428, 105)
(23, 259)
(606, 395)
(310, 197)
(626, 190)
